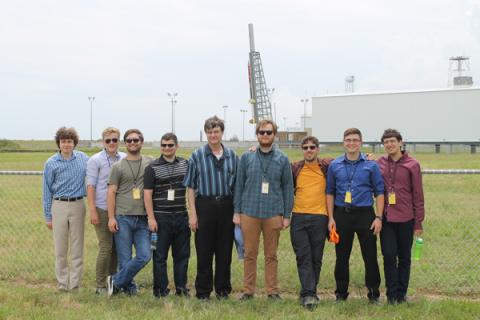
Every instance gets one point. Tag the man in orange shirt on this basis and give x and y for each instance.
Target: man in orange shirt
(309, 226)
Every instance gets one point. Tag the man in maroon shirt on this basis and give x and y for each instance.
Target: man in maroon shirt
(403, 214)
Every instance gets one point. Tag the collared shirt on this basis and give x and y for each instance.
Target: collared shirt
(361, 177)
(210, 176)
(161, 176)
(63, 178)
(254, 169)
(404, 178)
(98, 170)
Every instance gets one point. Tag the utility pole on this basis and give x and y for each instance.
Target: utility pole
(173, 100)
(304, 101)
(225, 122)
(91, 99)
(243, 111)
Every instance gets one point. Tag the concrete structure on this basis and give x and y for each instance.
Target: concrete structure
(443, 115)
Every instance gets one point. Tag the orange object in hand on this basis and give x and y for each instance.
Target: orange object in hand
(334, 237)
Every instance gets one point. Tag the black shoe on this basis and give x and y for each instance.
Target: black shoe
(161, 294)
(222, 296)
(182, 292)
(245, 297)
(373, 300)
(203, 297)
(309, 302)
(274, 297)
(341, 297)
(402, 300)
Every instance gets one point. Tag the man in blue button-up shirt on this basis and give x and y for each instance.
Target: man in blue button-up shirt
(64, 208)
(352, 183)
(263, 202)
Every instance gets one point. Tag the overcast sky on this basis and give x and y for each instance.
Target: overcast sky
(129, 54)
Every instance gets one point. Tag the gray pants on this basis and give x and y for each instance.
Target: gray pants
(68, 221)
(106, 257)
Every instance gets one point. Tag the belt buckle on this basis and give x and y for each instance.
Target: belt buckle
(218, 198)
(348, 209)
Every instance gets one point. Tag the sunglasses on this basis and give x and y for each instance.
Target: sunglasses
(108, 141)
(309, 148)
(265, 132)
(132, 140)
(170, 145)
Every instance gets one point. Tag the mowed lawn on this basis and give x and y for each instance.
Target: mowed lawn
(445, 282)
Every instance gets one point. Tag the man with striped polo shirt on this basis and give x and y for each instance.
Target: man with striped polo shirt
(98, 170)
(309, 226)
(164, 196)
(64, 208)
(210, 181)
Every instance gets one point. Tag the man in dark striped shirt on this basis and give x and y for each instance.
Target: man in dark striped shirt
(210, 180)
(164, 196)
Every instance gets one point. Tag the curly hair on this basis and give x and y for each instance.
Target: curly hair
(66, 133)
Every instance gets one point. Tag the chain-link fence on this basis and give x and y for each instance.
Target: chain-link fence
(450, 263)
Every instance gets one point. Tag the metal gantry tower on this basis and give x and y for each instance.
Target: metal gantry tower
(259, 98)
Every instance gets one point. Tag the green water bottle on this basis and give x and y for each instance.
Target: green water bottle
(417, 250)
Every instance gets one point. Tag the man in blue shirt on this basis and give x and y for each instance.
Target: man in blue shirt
(98, 170)
(210, 180)
(352, 181)
(263, 204)
(64, 208)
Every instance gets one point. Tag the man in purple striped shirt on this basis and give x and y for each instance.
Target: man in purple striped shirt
(403, 214)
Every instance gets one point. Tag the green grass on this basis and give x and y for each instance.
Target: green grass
(448, 269)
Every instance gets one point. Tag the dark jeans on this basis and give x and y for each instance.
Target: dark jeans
(173, 231)
(308, 233)
(349, 223)
(396, 239)
(214, 237)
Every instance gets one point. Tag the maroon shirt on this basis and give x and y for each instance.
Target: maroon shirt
(404, 177)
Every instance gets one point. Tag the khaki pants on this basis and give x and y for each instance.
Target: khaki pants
(68, 220)
(251, 228)
(107, 257)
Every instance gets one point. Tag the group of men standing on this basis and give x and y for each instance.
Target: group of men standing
(131, 196)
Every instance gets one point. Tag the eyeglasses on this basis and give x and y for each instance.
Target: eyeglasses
(309, 148)
(352, 140)
(170, 145)
(265, 132)
(108, 141)
(132, 140)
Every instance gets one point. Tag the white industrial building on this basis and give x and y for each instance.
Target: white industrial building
(441, 115)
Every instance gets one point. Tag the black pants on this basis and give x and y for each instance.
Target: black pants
(308, 233)
(396, 239)
(173, 230)
(214, 237)
(349, 223)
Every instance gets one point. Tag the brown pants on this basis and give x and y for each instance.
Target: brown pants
(107, 256)
(251, 228)
(68, 220)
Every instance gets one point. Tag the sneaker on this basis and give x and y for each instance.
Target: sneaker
(274, 297)
(101, 291)
(245, 297)
(373, 300)
(222, 296)
(309, 302)
(203, 297)
(111, 289)
(182, 292)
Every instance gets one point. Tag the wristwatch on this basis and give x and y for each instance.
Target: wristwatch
(379, 218)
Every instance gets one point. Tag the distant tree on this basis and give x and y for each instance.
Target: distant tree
(8, 145)
(234, 138)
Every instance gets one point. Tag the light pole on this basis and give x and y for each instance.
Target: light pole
(284, 123)
(243, 111)
(173, 100)
(225, 122)
(91, 99)
(270, 93)
(304, 101)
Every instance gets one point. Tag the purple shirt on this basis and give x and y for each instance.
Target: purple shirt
(404, 178)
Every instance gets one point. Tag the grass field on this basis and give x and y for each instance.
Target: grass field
(445, 282)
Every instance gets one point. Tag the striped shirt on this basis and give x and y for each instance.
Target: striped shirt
(98, 170)
(160, 176)
(254, 169)
(63, 178)
(210, 176)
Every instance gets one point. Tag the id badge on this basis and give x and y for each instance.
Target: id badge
(391, 198)
(348, 197)
(171, 194)
(264, 187)
(136, 193)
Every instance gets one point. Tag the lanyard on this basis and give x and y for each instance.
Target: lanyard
(350, 176)
(264, 169)
(392, 177)
(135, 177)
(108, 159)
